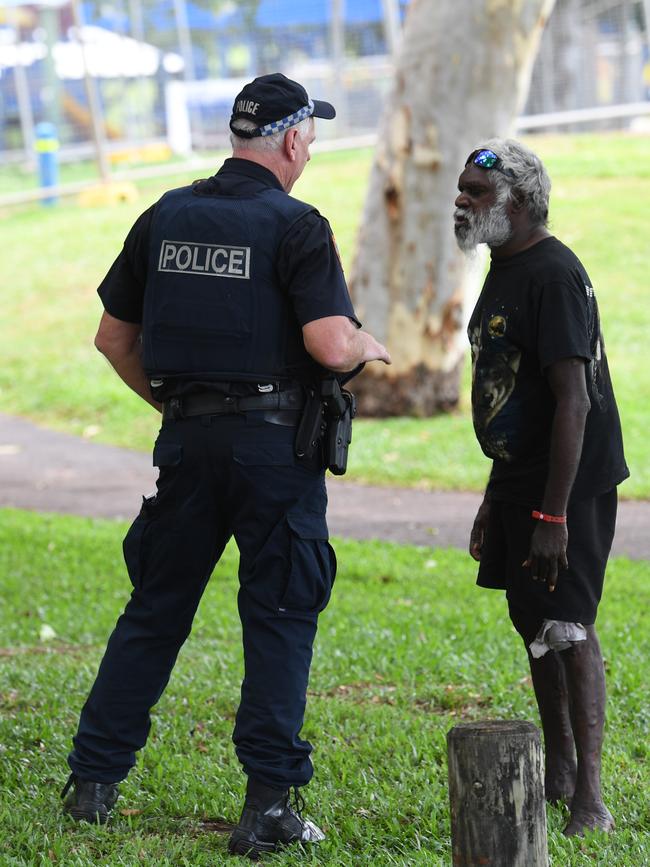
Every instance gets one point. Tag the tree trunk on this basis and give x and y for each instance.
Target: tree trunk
(462, 75)
(496, 795)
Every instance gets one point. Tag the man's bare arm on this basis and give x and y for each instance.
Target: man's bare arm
(337, 344)
(566, 379)
(119, 342)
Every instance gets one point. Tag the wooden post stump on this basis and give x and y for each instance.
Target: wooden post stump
(496, 794)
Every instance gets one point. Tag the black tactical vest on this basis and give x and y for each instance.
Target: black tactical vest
(213, 306)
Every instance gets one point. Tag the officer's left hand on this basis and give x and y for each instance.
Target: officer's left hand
(547, 553)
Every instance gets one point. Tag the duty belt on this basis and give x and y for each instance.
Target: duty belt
(214, 403)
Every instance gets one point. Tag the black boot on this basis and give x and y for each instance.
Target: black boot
(87, 801)
(269, 822)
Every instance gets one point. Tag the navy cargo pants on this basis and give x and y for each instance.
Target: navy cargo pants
(219, 476)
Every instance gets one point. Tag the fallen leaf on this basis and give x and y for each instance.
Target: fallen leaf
(46, 633)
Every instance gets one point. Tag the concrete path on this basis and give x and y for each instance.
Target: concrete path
(48, 471)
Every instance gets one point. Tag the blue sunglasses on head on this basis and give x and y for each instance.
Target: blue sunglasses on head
(484, 158)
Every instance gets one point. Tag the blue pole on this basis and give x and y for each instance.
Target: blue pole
(47, 152)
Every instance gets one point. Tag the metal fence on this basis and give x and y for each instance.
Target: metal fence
(593, 54)
(166, 71)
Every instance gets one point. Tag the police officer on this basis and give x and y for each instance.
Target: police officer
(226, 303)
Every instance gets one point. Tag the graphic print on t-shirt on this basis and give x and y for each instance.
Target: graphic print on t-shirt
(509, 389)
(493, 380)
(536, 308)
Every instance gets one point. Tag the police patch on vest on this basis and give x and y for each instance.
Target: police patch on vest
(211, 260)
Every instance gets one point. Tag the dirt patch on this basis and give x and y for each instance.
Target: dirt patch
(217, 826)
(44, 650)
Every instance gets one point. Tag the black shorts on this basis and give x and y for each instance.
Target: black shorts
(590, 524)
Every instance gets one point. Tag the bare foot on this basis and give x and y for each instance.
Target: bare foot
(597, 818)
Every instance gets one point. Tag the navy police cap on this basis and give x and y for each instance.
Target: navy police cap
(275, 103)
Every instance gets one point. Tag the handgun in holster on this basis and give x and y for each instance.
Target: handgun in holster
(340, 409)
(312, 424)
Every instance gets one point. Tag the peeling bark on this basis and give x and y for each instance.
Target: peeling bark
(462, 76)
(496, 794)
(419, 392)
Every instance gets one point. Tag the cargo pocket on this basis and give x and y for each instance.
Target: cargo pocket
(133, 544)
(166, 455)
(312, 568)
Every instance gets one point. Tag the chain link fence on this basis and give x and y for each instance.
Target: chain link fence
(593, 54)
(163, 73)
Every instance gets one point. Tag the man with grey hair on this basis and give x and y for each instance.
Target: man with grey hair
(226, 310)
(544, 411)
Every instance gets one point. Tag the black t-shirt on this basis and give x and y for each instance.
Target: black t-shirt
(308, 263)
(536, 308)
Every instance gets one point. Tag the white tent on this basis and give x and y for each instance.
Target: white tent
(107, 54)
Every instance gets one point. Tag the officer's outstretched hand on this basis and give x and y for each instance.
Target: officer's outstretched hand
(339, 345)
(374, 350)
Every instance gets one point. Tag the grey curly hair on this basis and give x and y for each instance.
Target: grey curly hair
(525, 177)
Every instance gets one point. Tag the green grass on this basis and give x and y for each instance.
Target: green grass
(407, 648)
(53, 260)
(22, 177)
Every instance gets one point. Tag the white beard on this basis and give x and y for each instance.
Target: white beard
(492, 228)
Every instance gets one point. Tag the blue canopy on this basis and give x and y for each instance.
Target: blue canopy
(271, 13)
(284, 13)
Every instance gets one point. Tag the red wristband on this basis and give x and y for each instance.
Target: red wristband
(551, 519)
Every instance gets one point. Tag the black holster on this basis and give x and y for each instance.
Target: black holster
(327, 422)
(312, 424)
(341, 408)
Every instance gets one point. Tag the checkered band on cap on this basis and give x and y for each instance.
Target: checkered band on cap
(287, 122)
